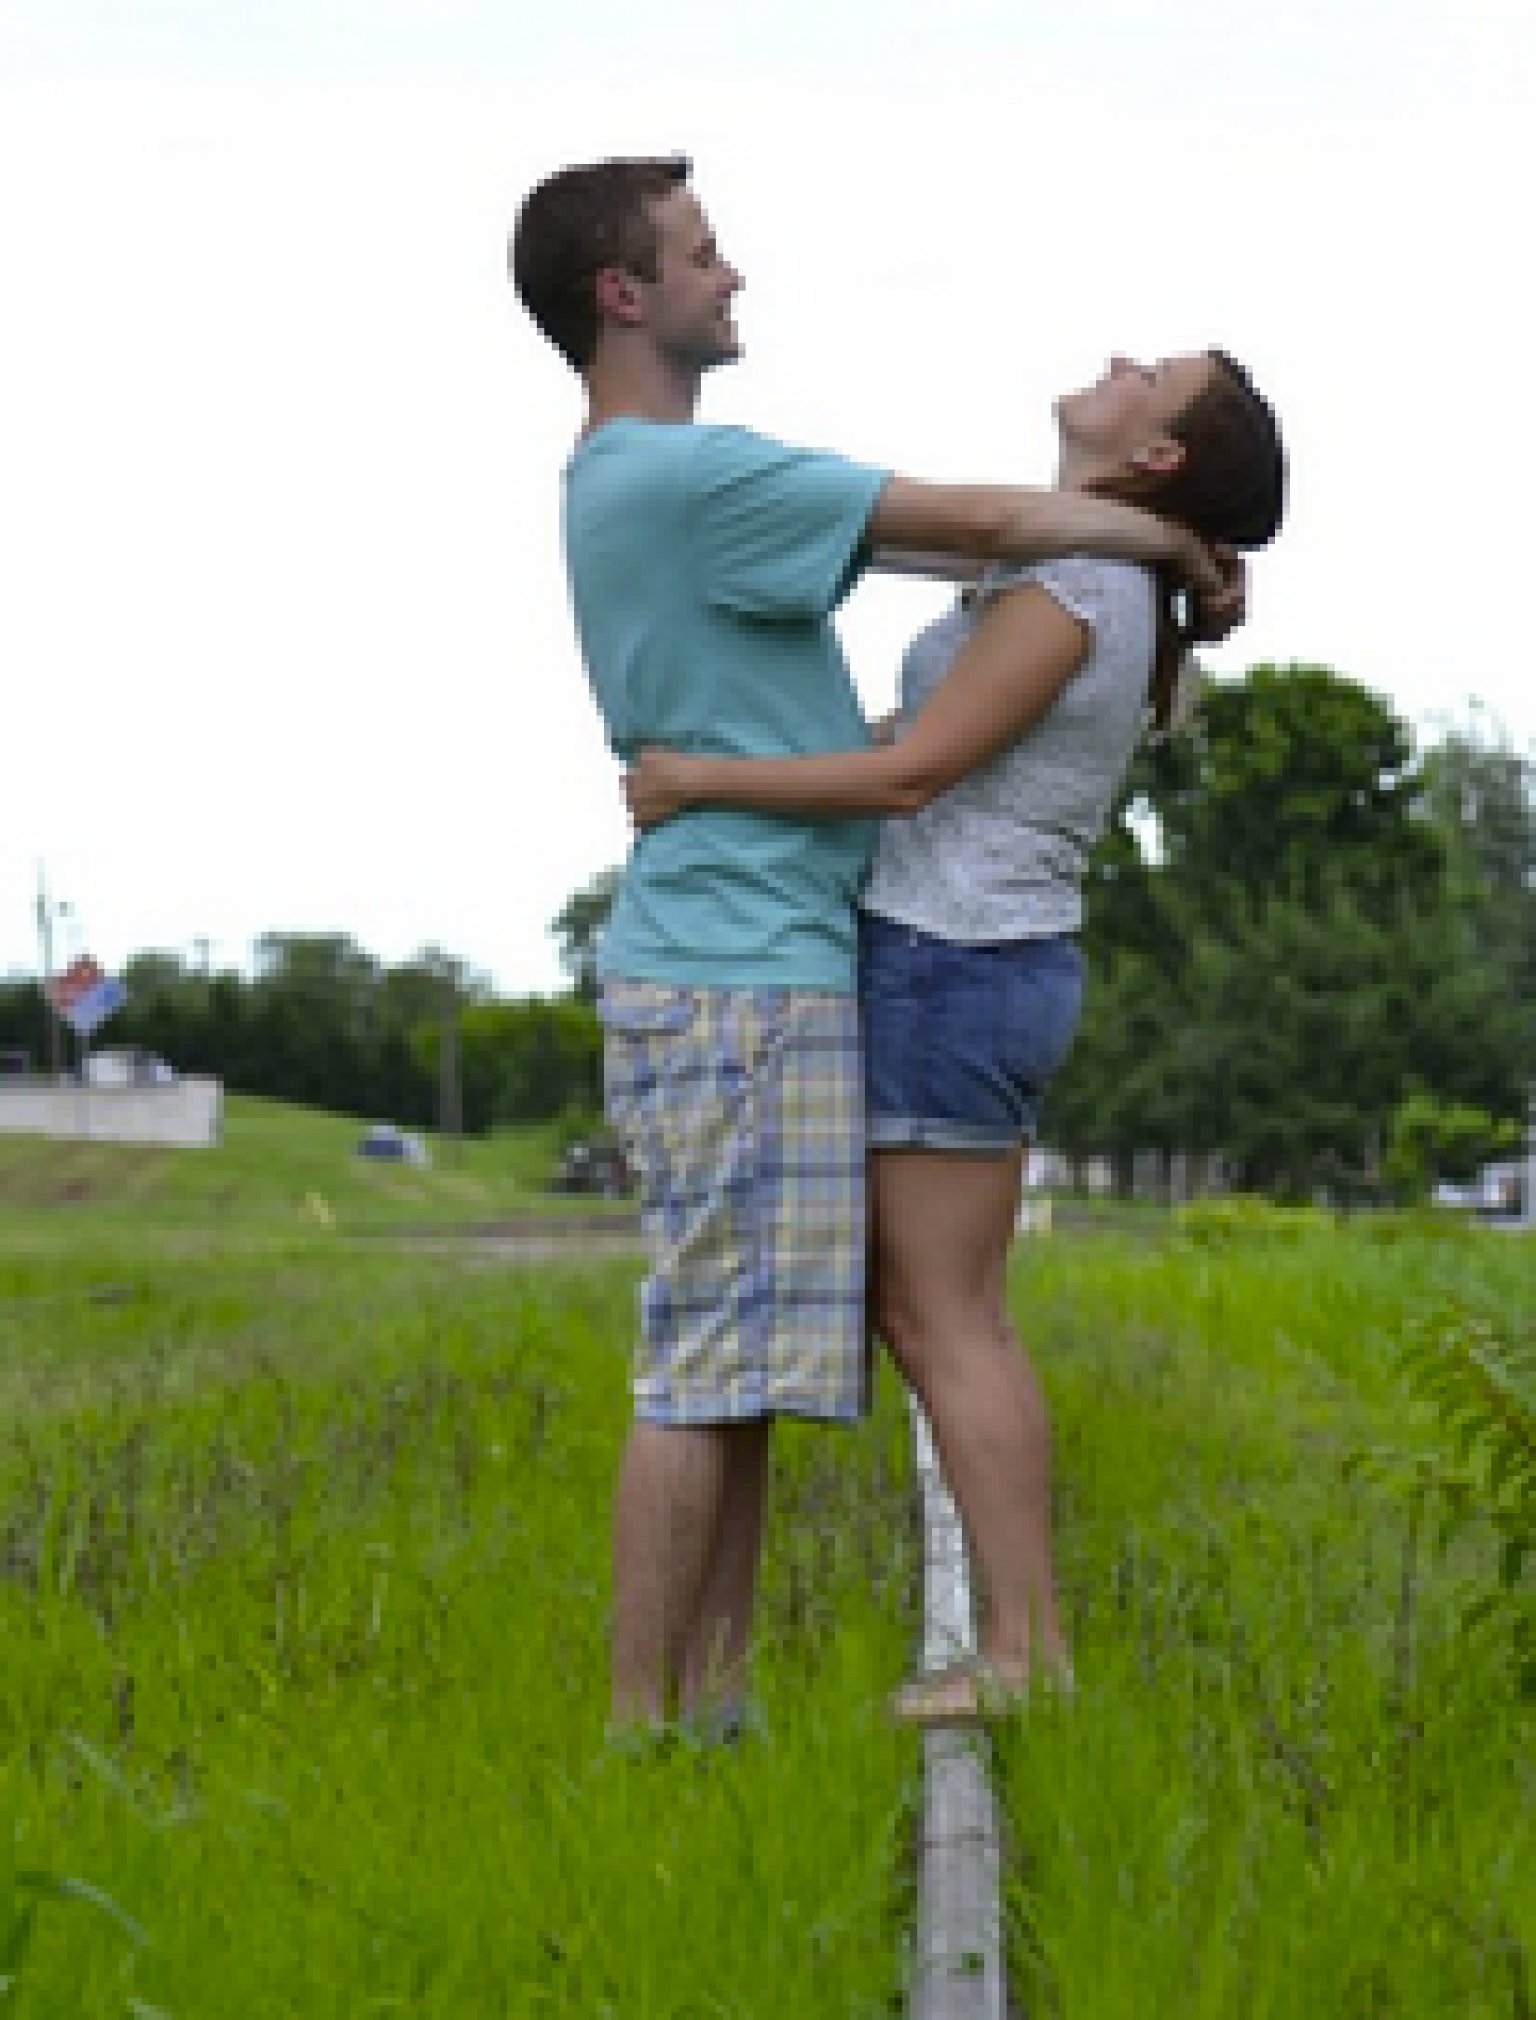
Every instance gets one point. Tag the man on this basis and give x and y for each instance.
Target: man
(705, 563)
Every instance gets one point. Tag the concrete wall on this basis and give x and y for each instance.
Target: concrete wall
(189, 1113)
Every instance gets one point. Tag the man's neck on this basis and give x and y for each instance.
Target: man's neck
(641, 386)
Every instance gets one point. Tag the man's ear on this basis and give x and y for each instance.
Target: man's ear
(1158, 457)
(617, 297)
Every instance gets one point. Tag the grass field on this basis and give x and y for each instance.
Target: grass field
(1291, 1783)
(302, 1596)
(302, 1593)
(279, 1170)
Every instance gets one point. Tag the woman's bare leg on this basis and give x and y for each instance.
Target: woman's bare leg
(943, 1224)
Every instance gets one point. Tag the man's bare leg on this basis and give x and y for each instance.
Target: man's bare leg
(667, 1511)
(715, 1652)
(943, 1226)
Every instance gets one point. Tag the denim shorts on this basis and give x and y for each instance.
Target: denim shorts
(959, 1041)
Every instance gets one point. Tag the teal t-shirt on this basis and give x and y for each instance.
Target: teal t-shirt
(705, 563)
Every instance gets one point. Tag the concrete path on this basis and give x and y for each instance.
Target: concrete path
(960, 1972)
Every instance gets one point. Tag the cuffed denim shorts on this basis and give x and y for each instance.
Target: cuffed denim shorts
(741, 1112)
(960, 1041)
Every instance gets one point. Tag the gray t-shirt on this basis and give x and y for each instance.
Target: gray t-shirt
(1001, 854)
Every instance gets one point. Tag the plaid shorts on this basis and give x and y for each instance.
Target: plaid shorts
(742, 1114)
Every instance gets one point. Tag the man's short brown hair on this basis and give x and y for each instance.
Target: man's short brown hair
(575, 223)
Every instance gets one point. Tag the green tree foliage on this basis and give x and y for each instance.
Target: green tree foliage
(579, 929)
(1292, 927)
(24, 1020)
(525, 1061)
(1293, 780)
(1481, 797)
(320, 1021)
(1302, 938)
(1431, 1140)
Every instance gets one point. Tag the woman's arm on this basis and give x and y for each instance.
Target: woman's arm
(1023, 651)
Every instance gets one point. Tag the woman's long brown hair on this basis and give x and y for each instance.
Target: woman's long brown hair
(1228, 488)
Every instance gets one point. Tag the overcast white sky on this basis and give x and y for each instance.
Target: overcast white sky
(283, 634)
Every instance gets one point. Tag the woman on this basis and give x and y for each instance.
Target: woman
(1020, 711)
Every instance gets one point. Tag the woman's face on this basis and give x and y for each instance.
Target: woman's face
(1130, 407)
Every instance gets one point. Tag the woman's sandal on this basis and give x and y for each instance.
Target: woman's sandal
(962, 1694)
(966, 1693)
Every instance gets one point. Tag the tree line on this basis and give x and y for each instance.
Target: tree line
(321, 1022)
(1311, 949)
(1311, 952)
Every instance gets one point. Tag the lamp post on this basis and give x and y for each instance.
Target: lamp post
(49, 910)
(450, 1093)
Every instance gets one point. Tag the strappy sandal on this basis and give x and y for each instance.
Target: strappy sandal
(965, 1693)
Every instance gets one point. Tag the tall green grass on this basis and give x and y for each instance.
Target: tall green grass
(1290, 1782)
(303, 1585)
(303, 1701)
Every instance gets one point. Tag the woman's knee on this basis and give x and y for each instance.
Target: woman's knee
(933, 1348)
(911, 1306)
(948, 1304)
(910, 1337)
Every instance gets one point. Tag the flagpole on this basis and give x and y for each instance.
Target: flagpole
(45, 934)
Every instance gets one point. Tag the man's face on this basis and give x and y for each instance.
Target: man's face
(688, 305)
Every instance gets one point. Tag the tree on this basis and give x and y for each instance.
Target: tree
(323, 1023)
(1481, 797)
(24, 1018)
(1293, 777)
(1280, 949)
(1432, 1140)
(580, 927)
(526, 1061)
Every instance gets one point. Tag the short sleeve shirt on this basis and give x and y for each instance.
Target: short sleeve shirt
(705, 565)
(1001, 855)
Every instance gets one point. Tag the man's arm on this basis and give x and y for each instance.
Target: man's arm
(1024, 650)
(932, 567)
(993, 522)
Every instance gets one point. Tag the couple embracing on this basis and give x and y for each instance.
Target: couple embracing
(842, 965)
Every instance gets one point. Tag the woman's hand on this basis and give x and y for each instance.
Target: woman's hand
(1197, 562)
(656, 785)
(1217, 615)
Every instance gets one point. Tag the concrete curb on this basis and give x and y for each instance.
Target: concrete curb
(959, 1974)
